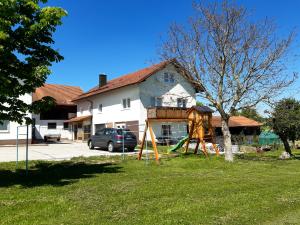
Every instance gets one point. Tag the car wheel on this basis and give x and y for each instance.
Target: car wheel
(91, 146)
(110, 146)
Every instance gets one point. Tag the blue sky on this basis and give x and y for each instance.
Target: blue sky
(116, 37)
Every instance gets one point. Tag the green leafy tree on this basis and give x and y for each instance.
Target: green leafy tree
(286, 121)
(26, 30)
(251, 113)
(199, 103)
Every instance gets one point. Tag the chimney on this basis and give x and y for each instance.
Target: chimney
(102, 80)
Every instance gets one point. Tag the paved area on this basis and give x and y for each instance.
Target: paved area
(54, 151)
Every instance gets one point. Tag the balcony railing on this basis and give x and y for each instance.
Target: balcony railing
(167, 113)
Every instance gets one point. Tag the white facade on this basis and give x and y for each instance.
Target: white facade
(107, 108)
(9, 135)
(41, 128)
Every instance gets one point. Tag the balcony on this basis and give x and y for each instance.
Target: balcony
(167, 113)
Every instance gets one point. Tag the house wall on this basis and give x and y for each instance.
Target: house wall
(41, 128)
(9, 136)
(112, 108)
(113, 113)
(155, 86)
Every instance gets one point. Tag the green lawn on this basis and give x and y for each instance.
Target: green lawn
(255, 189)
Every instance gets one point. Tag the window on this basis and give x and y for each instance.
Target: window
(181, 102)
(100, 108)
(99, 132)
(169, 78)
(51, 126)
(4, 125)
(80, 110)
(156, 101)
(66, 126)
(126, 103)
(159, 102)
(166, 130)
(87, 129)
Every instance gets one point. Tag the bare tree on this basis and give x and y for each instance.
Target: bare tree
(238, 62)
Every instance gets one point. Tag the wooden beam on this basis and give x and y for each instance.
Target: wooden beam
(191, 131)
(143, 141)
(153, 142)
(197, 146)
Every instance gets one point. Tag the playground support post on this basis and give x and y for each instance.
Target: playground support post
(153, 142)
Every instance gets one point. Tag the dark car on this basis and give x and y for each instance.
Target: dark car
(112, 139)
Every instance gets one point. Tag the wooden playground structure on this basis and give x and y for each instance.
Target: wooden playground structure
(199, 121)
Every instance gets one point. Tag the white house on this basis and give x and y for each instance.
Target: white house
(52, 122)
(8, 129)
(123, 102)
(47, 122)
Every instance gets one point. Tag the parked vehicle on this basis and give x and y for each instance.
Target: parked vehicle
(112, 139)
(48, 137)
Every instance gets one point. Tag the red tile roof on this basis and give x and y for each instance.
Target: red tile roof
(125, 80)
(236, 121)
(63, 94)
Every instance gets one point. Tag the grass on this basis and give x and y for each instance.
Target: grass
(255, 189)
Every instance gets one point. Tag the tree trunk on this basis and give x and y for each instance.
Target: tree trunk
(227, 140)
(286, 146)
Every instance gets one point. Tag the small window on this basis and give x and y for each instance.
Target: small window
(80, 110)
(181, 102)
(126, 103)
(166, 130)
(169, 77)
(4, 125)
(100, 108)
(166, 77)
(159, 101)
(66, 126)
(51, 126)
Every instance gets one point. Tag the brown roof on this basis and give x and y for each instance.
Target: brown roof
(236, 121)
(128, 79)
(78, 119)
(63, 94)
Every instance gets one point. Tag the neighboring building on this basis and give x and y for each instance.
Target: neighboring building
(8, 130)
(123, 102)
(242, 129)
(52, 121)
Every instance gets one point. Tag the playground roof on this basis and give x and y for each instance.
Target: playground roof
(201, 109)
(236, 121)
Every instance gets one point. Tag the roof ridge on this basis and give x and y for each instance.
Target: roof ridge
(141, 74)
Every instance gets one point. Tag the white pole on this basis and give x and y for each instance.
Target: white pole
(27, 150)
(17, 145)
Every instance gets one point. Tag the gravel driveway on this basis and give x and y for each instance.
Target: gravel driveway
(53, 151)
